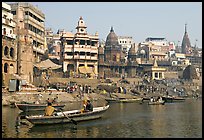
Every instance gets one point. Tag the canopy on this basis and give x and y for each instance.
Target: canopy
(47, 64)
(85, 70)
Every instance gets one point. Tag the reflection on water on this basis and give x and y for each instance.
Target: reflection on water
(133, 120)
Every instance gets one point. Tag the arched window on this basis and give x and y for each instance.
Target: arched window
(5, 68)
(6, 49)
(4, 31)
(12, 52)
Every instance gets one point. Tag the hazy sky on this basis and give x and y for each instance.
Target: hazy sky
(136, 19)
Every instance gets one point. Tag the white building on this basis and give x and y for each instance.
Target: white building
(125, 42)
(157, 41)
(79, 52)
(8, 23)
(9, 49)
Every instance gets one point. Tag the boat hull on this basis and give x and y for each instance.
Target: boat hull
(156, 103)
(61, 119)
(123, 100)
(172, 99)
(36, 107)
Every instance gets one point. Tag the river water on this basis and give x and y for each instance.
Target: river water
(122, 120)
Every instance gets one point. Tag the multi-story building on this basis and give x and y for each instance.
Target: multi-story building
(79, 52)
(31, 19)
(154, 48)
(9, 49)
(49, 36)
(30, 30)
(125, 42)
(54, 43)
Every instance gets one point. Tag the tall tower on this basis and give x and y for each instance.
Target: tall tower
(81, 27)
(186, 45)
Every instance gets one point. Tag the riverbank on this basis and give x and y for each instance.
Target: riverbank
(9, 98)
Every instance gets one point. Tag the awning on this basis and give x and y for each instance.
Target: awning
(82, 70)
(86, 70)
(47, 64)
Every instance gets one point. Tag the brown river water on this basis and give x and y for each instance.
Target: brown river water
(121, 120)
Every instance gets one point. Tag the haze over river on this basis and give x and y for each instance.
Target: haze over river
(122, 120)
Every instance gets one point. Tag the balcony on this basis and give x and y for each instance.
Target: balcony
(67, 49)
(9, 22)
(39, 50)
(94, 58)
(94, 51)
(32, 21)
(68, 57)
(13, 36)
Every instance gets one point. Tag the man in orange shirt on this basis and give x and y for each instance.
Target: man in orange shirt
(49, 110)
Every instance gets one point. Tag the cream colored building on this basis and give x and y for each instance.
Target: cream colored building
(155, 72)
(30, 31)
(9, 49)
(79, 52)
(31, 19)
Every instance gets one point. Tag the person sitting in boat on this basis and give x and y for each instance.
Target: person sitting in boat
(84, 106)
(49, 110)
(160, 99)
(89, 106)
(151, 99)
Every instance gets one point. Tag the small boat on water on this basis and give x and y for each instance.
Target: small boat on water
(36, 107)
(156, 103)
(68, 116)
(131, 100)
(170, 99)
(123, 100)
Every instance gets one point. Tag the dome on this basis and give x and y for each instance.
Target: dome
(142, 52)
(112, 38)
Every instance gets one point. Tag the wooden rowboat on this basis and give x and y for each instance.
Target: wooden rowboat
(123, 100)
(36, 107)
(68, 116)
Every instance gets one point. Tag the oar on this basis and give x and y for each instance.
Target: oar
(73, 121)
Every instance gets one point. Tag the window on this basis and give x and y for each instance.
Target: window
(5, 68)
(160, 75)
(156, 75)
(13, 12)
(6, 51)
(81, 53)
(88, 53)
(82, 42)
(4, 30)
(26, 13)
(93, 43)
(12, 52)
(69, 53)
(88, 42)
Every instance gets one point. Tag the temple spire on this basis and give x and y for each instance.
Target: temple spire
(186, 28)
(111, 29)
